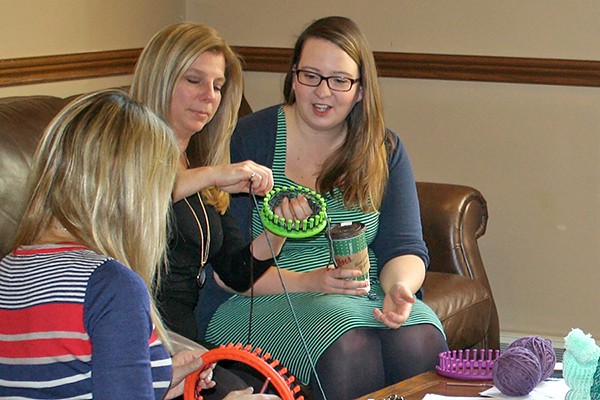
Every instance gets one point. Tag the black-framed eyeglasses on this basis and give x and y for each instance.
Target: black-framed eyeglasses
(335, 83)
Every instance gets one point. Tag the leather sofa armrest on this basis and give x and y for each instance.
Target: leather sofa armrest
(453, 218)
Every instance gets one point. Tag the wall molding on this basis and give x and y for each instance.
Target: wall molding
(44, 69)
(66, 67)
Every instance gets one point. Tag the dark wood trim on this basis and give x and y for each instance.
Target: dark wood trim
(31, 70)
(451, 67)
(264, 59)
(489, 69)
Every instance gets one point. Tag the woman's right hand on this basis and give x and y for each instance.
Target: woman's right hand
(246, 394)
(239, 177)
(327, 280)
(231, 178)
(334, 281)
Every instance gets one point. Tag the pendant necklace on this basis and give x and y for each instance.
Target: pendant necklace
(204, 242)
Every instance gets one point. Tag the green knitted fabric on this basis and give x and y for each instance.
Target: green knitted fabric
(595, 389)
(580, 364)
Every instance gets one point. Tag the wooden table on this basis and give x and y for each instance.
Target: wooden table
(430, 382)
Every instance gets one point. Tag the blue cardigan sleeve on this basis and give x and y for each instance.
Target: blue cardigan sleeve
(253, 139)
(400, 231)
(117, 316)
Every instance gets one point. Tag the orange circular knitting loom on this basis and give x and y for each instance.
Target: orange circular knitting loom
(276, 374)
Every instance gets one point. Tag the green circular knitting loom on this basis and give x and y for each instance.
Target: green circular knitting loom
(297, 229)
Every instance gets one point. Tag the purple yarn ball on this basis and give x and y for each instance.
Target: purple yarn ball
(542, 348)
(516, 371)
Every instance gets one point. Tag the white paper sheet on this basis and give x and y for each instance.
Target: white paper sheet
(552, 389)
(441, 397)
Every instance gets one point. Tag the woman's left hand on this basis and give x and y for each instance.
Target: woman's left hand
(184, 363)
(296, 208)
(397, 305)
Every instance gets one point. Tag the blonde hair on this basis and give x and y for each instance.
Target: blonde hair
(104, 170)
(359, 168)
(164, 60)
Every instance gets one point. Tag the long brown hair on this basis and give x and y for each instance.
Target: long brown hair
(359, 168)
(164, 60)
(104, 170)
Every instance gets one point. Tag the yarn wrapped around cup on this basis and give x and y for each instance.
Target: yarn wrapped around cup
(517, 371)
(542, 348)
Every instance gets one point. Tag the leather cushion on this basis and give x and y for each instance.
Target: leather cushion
(459, 301)
(22, 122)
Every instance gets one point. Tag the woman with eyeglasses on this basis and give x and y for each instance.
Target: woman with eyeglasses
(330, 136)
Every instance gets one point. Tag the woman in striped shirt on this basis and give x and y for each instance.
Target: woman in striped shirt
(78, 320)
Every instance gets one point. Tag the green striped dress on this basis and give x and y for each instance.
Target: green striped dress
(284, 324)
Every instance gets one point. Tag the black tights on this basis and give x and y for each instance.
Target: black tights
(365, 360)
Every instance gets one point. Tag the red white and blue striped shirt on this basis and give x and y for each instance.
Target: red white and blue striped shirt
(76, 325)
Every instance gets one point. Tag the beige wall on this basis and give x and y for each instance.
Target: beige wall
(534, 151)
(48, 27)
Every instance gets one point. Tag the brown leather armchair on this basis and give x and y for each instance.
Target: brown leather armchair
(454, 217)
